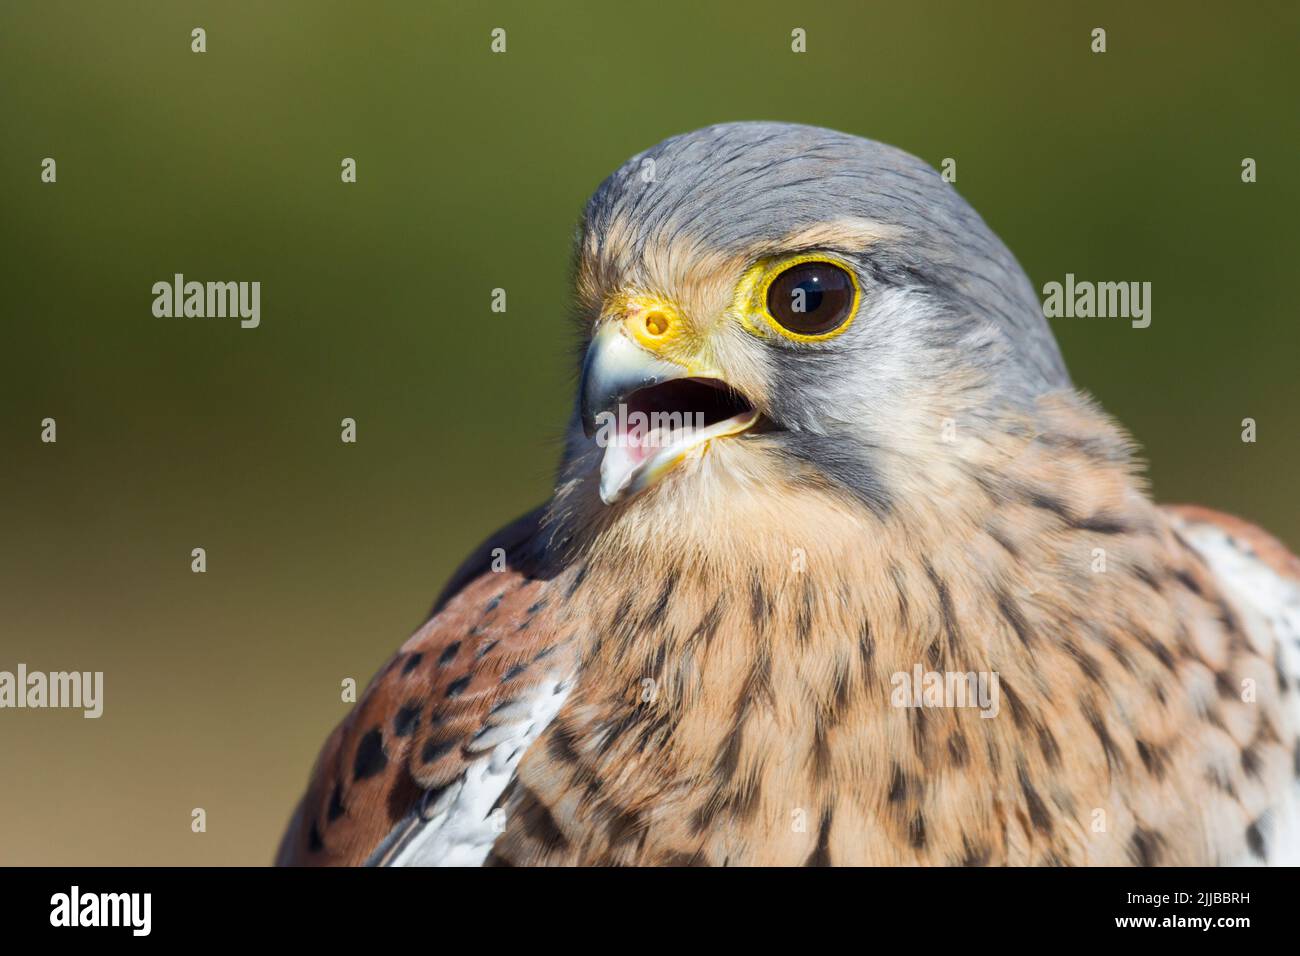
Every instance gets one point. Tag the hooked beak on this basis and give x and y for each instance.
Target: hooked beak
(649, 414)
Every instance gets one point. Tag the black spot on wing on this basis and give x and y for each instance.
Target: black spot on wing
(405, 720)
(336, 808)
(314, 843)
(370, 758)
(433, 749)
(514, 672)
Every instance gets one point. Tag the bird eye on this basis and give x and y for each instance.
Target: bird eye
(811, 298)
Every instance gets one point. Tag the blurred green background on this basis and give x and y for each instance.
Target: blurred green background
(472, 168)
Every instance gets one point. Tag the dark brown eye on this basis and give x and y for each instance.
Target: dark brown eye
(811, 298)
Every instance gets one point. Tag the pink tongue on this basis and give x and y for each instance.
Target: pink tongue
(638, 444)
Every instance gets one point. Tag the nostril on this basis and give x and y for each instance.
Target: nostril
(656, 323)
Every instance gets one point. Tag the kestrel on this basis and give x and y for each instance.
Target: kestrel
(825, 441)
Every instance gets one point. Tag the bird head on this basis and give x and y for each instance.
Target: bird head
(774, 304)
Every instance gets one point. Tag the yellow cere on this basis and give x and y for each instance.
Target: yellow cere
(652, 321)
(750, 301)
(657, 325)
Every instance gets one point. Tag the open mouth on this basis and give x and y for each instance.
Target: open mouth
(660, 425)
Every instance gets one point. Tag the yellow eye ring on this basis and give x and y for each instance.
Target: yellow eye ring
(797, 327)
